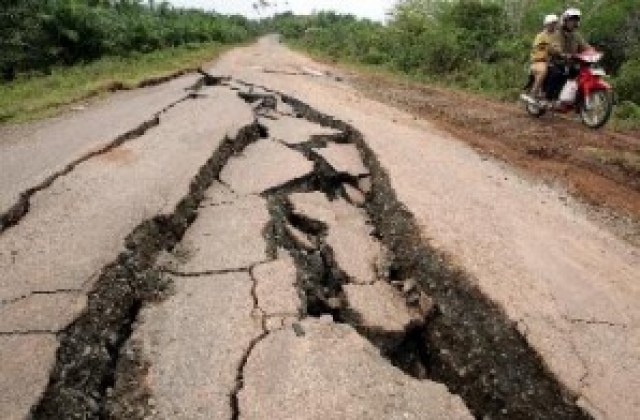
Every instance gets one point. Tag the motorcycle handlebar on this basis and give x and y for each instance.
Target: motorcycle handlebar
(589, 56)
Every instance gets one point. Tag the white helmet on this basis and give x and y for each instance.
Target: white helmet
(549, 19)
(571, 12)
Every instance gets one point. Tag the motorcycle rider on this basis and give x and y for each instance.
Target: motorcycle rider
(545, 46)
(570, 42)
(574, 83)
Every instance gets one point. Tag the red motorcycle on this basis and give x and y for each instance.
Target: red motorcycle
(585, 92)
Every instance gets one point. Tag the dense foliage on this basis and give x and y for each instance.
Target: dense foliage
(481, 45)
(38, 34)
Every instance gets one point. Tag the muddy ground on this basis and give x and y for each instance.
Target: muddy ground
(601, 167)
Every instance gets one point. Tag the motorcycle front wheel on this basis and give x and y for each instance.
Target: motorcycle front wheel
(596, 109)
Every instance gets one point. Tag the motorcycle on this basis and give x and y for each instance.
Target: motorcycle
(585, 92)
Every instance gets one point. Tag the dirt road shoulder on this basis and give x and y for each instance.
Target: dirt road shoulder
(601, 168)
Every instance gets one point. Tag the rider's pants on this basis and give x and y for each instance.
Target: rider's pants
(539, 71)
(555, 81)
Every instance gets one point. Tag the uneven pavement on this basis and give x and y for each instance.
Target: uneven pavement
(275, 245)
(32, 153)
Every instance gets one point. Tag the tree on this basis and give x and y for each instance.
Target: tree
(20, 36)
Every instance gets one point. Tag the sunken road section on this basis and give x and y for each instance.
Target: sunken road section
(90, 347)
(467, 342)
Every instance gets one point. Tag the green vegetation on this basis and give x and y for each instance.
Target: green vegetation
(55, 52)
(28, 98)
(36, 35)
(626, 116)
(481, 46)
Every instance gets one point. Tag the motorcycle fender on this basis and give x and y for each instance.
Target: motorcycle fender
(602, 85)
(591, 83)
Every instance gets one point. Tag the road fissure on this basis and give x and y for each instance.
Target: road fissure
(20, 208)
(84, 373)
(467, 343)
(462, 340)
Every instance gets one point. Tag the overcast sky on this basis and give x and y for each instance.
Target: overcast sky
(372, 9)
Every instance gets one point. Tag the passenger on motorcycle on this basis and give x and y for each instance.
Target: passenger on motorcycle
(545, 46)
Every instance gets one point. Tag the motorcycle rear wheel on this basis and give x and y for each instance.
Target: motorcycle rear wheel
(599, 110)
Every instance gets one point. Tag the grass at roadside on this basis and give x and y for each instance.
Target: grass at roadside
(626, 117)
(628, 161)
(29, 98)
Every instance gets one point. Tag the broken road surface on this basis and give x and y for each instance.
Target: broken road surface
(273, 245)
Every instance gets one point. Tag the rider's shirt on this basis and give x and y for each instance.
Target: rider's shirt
(544, 45)
(571, 42)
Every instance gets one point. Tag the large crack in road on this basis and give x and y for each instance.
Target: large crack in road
(90, 347)
(464, 341)
(467, 342)
(450, 333)
(19, 209)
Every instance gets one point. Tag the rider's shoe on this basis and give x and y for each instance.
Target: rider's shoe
(545, 103)
(529, 99)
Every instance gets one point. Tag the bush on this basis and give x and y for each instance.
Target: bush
(628, 81)
(628, 110)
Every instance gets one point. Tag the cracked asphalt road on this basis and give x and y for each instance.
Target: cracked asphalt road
(33, 152)
(265, 315)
